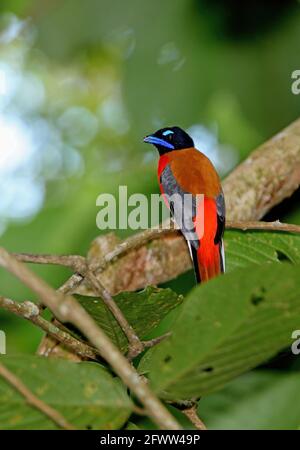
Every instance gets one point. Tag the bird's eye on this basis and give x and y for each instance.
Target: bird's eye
(168, 134)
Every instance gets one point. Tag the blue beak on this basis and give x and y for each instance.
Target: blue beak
(157, 141)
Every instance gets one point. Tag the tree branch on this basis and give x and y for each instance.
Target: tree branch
(29, 311)
(192, 415)
(75, 262)
(263, 226)
(34, 401)
(269, 175)
(68, 309)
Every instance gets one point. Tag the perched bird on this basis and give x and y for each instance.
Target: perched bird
(182, 170)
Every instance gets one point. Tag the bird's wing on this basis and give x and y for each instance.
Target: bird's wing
(195, 173)
(182, 204)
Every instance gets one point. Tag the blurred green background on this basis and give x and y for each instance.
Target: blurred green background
(82, 82)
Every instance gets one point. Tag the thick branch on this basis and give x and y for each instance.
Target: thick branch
(34, 401)
(68, 309)
(269, 175)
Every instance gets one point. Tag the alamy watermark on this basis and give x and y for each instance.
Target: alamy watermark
(138, 212)
(2, 343)
(295, 88)
(296, 344)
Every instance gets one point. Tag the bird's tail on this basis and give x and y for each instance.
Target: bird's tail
(208, 262)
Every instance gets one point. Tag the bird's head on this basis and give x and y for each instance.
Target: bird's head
(169, 139)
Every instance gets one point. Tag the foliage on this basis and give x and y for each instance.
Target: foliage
(143, 310)
(225, 328)
(85, 393)
(268, 395)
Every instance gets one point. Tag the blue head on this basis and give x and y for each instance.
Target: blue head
(169, 139)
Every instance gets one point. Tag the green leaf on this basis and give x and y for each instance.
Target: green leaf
(257, 400)
(85, 393)
(144, 310)
(244, 248)
(226, 327)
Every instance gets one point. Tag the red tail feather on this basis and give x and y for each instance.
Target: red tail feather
(209, 254)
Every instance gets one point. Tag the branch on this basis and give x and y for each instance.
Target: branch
(67, 309)
(75, 262)
(192, 415)
(265, 226)
(269, 175)
(34, 401)
(29, 311)
(69, 286)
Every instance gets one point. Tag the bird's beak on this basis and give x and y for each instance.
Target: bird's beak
(152, 140)
(157, 141)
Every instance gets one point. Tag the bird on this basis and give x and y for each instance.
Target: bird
(185, 172)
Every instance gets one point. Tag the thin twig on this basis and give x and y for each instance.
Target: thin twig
(263, 226)
(192, 415)
(71, 284)
(34, 401)
(30, 312)
(75, 262)
(157, 340)
(67, 309)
